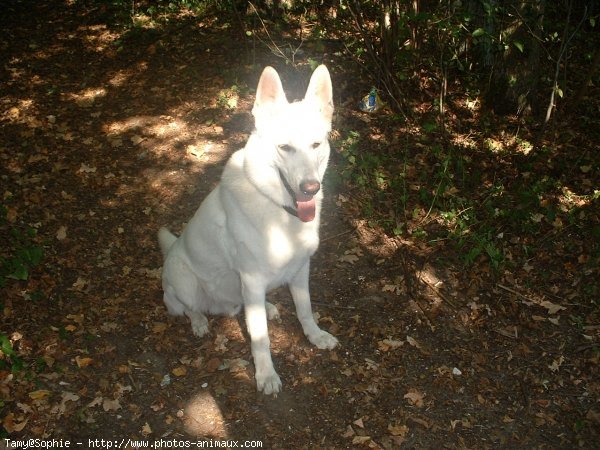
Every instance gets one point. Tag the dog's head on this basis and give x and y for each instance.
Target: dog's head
(293, 138)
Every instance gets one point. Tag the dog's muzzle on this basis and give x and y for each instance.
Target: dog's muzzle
(305, 202)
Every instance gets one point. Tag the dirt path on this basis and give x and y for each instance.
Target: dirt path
(107, 135)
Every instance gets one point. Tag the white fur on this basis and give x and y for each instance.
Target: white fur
(242, 242)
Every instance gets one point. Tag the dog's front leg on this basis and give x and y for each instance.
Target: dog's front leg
(301, 295)
(253, 292)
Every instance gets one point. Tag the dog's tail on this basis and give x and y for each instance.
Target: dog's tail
(166, 240)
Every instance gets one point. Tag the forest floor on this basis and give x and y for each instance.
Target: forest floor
(109, 133)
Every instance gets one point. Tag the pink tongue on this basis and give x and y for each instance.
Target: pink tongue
(306, 210)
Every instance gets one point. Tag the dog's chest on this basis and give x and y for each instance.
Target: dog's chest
(285, 246)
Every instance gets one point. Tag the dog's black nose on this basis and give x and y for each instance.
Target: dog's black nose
(310, 187)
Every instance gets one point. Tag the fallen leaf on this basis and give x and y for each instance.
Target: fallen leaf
(122, 389)
(86, 169)
(393, 288)
(213, 364)
(10, 425)
(146, 430)
(83, 362)
(115, 143)
(389, 344)
(348, 258)
(398, 430)
(537, 217)
(78, 318)
(554, 320)
(195, 151)
(351, 256)
(80, 284)
(166, 380)
(556, 363)
(159, 327)
(359, 423)
(39, 394)
(341, 199)
(552, 308)
(593, 416)
(61, 234)
(25, 408)
(111, 405)
(109, 327)
(412, 341)
(220, 343)
(135, 139)
(179, 371)
(11, 215)
(61, 408)
(349, 432)
(424, 423)
(234, 365)
(558, 223)
(97, 401)
(415, 398)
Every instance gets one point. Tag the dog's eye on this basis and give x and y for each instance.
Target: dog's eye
(315, 145)
(285, 147)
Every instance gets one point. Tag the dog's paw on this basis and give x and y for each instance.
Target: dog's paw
(269, 384)
(199, 329)
(199, 324)
(272, 311)
(323, 340)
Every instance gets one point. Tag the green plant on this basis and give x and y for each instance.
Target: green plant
(228, 98)
(21, 253)
(8, 356)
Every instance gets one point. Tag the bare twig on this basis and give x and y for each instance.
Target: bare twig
(438, 293)
(337, 235)
(331, 305)
(512, 291)
(273, 46)
(563, 49)
(583, 348)
(384, 74)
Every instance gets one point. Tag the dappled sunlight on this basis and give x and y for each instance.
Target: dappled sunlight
(22, 112)
(120, 78)
(457, 250)
(280, 246)
(87, 97)
(97, 38)
(163, 127)
(203, 417)
(170, 129)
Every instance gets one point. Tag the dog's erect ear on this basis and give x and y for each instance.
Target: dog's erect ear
(320, 91)
(269, 92)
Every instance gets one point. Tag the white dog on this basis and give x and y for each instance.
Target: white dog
(258, 229)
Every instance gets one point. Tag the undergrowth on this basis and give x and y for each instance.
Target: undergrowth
(19, 255)
(482, 202)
